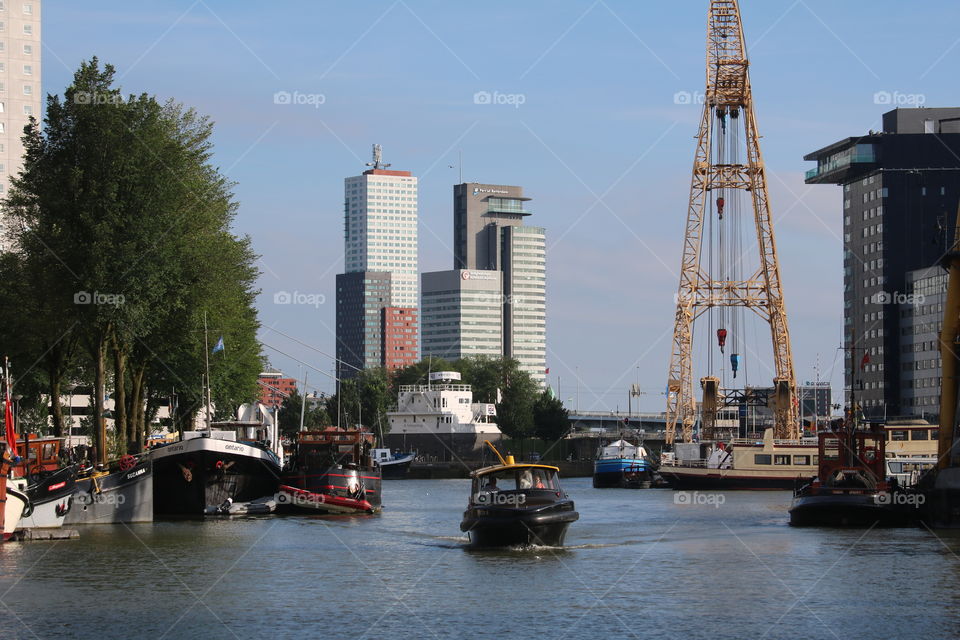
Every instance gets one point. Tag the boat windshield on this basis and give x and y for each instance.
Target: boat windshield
(514, 479)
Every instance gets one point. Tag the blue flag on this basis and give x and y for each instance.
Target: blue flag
(219, 346)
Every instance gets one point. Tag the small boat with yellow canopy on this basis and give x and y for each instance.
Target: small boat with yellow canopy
(515, 504)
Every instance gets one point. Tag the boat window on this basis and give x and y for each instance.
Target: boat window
(895, 467)
(920, 434)
(781, 460)
(761, 458)
(831, 449)
(815, 461)
(803, 460)
(49, 451)
(898, 435)
(934, 434)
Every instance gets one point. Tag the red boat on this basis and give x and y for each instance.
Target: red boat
(331, 471)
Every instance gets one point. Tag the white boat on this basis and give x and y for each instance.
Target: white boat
(393, 466)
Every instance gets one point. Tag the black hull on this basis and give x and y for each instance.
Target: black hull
(506, 527)
(620, 480)
(851, 510)
(396, 471)
(362, 484)
(690, 482)
(211, 477)
(124, 496)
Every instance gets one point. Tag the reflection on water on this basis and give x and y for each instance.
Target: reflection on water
(636, 565)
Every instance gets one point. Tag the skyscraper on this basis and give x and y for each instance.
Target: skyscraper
(377, 296)
(20, 88)
(900, 192)
(494, 300)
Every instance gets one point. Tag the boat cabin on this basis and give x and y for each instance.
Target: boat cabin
(39, 454)
(515, 484)
(852, 459)
(316, 449)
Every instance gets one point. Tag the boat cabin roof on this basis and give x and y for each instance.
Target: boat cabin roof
(506, 467)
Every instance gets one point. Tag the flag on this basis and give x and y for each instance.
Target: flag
(865, 361)
(548, 370)
(8, 420)
(219, 346)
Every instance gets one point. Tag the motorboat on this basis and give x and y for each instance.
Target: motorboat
(623, 465)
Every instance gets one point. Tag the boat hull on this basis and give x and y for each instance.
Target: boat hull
(699, 478)
(506, 527)
(868, 509)
(396, 469)
(51, 499)
(622, 473)
(332, 490)
(191, 475)
(124, 496)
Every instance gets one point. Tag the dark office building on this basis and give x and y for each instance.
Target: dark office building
(900, 191)
(361, 298)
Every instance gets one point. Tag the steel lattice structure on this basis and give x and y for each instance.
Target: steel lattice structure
(728, 89)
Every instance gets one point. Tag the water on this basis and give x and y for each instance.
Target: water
(636, 565)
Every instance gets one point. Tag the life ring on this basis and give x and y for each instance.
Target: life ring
(127, 462)
(219, 465)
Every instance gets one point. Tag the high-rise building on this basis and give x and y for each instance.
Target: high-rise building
(20, 88)
(378, 295)
(921, 316)
(900, 192)
(493, 302)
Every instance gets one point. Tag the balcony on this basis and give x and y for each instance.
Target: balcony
(836, 167)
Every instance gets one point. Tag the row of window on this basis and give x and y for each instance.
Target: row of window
(783, 459)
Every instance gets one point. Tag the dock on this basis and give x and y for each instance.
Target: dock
(27, 535)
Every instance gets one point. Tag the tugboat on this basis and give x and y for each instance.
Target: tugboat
(331, 472)
(622, 465)
(393, 466)
(517, 504)
(851, 488)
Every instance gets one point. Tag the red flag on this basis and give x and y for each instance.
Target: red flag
(865, 361)
(548, 370)
(8, 420)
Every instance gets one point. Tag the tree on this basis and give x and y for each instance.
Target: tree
(315, 417)
(418, 373)
(551, 420)
(515, 410)
(121, 216)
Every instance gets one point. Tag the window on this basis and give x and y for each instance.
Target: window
(28, 8)
(801, 460)
(900, 435)
(920, 434)
(28, 49)
(781, 460)
(28, 69)
(27, 110)
(761, 458)
(27, 90)
(28, 29)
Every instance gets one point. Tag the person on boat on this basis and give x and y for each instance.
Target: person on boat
(539, 484)
(526, 479)
(491, 484)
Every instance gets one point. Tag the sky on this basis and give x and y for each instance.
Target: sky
(593, 109)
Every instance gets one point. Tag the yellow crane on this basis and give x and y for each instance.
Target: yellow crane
(728, 175)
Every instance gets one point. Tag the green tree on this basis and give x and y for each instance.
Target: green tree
(315, 417)
(364, 401)
(119, 203)
(515, 410)
(551, 420)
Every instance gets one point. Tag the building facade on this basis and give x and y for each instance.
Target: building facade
(921, 318)
(462, 313)
(20, 88)
(275, 388)
(493, 302)
(378, 294)
(900, 193)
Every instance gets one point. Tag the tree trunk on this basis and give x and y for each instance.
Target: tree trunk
(137, 407)
(121, 423)
(54, 375)
(99, 357)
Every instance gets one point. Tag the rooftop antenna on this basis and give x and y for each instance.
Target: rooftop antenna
(377, 158)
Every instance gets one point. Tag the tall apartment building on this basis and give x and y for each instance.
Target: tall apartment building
(380, 228)
(921, 318)
(900, 192)
(275, 387)
(493, 302)
(379, 287)
(20, 88)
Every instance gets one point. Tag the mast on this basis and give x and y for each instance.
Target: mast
(206, 355)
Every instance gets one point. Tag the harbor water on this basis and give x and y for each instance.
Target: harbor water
(638, 564)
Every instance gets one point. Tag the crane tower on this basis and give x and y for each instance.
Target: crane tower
(722, 271)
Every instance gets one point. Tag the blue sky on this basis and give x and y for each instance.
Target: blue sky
(599, 142)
